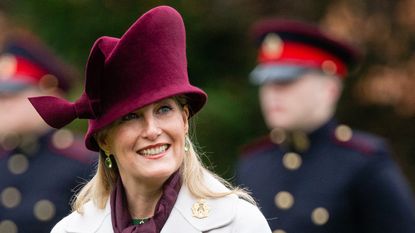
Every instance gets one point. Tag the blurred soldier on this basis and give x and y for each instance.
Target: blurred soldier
(39, 167)
(312, 174)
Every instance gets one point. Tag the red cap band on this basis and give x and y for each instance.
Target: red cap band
(28, 71)
(304, 55)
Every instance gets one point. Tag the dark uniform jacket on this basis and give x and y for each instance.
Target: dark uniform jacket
(37, 180)
(340, 181)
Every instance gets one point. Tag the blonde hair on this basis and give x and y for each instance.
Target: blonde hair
(192, 171)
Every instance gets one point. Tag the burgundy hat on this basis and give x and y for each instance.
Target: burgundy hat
(289, 48)
(147, 64)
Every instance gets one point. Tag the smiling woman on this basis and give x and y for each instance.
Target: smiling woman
(149, 177)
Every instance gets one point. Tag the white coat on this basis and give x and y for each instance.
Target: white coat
(229, 214)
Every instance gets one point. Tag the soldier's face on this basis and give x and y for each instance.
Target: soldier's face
(148, 144)
(302, 104)
(17, 115)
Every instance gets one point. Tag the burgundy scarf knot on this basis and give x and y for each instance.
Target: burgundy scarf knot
(121, 218)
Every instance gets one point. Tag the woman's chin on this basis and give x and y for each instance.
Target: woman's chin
(159, 174)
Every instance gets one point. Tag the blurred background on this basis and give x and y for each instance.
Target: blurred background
(379, 95)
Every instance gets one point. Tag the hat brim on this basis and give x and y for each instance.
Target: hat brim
(197, 98)
(13, 86)
(264, 73)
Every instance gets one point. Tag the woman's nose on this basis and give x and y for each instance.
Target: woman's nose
(151, 129)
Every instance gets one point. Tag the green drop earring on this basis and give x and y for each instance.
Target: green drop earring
(108, 161)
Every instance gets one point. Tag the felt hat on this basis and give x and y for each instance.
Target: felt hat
(147, 64)
(288, 48)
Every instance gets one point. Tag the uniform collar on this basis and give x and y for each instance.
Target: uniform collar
(300, 141)
(326, 130)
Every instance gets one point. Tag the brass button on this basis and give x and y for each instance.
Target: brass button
(7, 226)
(29, 145)
(11, 197)
(291, 161)
(48, 82)
(10, 141)
(300, 141)
(343, 133)
(329, 67)
(44, 210)
(284, 200)
(18, 164)
(279, 231)
(62, 139)
(278, 136)
(320, 216)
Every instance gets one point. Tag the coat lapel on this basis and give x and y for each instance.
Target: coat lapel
(221, 211)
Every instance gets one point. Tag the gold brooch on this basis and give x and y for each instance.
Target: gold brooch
(200, 209)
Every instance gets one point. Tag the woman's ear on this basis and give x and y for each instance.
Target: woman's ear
(185, 115)
(103, 143)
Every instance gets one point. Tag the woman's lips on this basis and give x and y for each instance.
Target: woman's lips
(153, 150)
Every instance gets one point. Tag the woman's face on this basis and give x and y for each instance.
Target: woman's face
(148, 144)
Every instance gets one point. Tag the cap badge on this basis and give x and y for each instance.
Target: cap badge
(200, 209)
(8, 66)
(272, 46)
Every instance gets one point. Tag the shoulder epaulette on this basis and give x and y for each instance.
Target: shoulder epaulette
(258, 144)
(362, 142)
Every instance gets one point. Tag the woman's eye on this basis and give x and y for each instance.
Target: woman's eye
(164, 109)
(129, 116)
